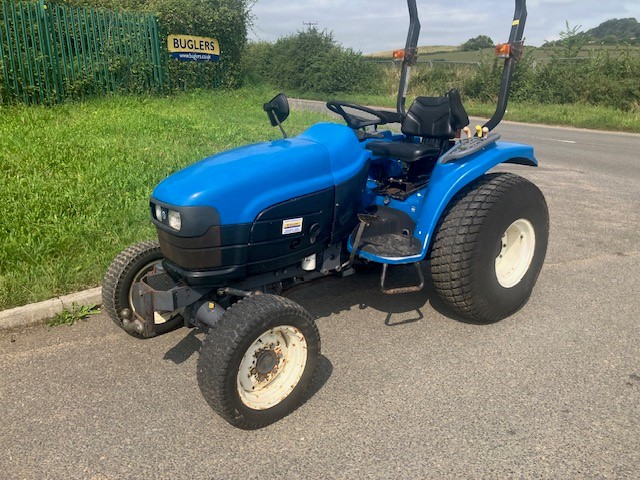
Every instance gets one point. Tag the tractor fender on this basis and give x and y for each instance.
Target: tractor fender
(448, 179)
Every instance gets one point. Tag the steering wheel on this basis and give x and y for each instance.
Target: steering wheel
(355, 121)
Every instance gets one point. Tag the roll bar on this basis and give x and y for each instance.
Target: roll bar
(516, 49)
(410, 55)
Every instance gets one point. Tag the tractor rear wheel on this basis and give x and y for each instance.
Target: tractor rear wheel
(490, 246)
(258, 360)
(126, 269)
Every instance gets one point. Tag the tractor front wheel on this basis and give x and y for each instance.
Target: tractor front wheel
(117, 285)
(258, 360)
(490, 246)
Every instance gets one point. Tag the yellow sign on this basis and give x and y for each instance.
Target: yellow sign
(190, 48)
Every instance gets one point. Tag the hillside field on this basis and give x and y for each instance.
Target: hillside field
(424, 50)
(453, 54)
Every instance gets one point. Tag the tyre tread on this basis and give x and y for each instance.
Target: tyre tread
(453, 249)
(225, 337)
(116, 274)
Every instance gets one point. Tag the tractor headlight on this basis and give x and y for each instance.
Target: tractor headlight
(174, 220)
(167, 216)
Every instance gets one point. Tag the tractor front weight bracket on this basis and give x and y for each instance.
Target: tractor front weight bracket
(158, 292)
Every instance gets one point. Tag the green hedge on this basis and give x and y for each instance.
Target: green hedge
(606, 78)
(226, 20)
(310, 60)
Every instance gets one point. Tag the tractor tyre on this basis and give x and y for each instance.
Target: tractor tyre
(258, 360)
(490, 246)
(125, 270)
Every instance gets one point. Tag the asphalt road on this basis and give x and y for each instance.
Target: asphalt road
(405, 389)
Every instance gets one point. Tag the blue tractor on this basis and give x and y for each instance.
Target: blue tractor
(238, 228)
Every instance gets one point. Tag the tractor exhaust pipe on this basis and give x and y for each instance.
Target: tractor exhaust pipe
(410, 55)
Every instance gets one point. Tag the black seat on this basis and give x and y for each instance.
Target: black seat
(434, 119)
(405, 151)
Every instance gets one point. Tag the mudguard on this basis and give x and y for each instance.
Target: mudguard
(427, 205)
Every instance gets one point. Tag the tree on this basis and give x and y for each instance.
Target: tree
(477, 43)
(572, 40)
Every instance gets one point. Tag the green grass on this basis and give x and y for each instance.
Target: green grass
(76, 178)
(77, 313)
(571, 115)
(579, 116)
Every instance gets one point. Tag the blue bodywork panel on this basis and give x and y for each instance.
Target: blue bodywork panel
(427, 205)
(242, 182)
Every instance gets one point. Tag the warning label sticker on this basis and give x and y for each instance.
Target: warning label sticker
(292, 225)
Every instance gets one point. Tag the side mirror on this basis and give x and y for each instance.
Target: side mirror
(278, 110)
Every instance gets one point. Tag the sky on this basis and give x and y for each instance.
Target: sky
(377, 25)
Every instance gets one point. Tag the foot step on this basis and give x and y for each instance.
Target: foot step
(407, 289)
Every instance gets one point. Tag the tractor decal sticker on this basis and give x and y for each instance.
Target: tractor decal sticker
(292, 225)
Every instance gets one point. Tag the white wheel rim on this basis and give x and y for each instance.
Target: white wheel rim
(272, 367)
(516, 253)
(158, 318)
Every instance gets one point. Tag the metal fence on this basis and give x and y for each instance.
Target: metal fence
(50, 52)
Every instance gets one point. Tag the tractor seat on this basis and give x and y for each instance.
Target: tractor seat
(407, 152)
(435, 120)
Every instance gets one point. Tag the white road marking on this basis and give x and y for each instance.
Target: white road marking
(555, 140)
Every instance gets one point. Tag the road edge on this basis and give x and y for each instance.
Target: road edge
(39, 313)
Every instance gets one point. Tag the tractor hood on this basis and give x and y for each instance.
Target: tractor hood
(240, 183)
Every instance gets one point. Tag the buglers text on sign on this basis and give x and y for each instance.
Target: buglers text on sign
(190, 48)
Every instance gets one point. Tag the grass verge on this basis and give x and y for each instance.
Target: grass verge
(571, 115)
(77, 177)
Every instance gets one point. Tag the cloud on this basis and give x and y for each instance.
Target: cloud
(375, 25)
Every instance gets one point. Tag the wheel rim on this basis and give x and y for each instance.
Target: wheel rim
(158, 318)
(272, 367)
(516, 253)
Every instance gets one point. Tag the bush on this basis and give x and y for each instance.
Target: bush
(435, 81)
(477, 43)
(607, 78)
(225, 20)
(310, 60)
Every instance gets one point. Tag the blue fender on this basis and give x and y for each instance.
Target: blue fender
(426, 206)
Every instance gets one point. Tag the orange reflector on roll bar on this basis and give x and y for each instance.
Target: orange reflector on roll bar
(503, 50)
(398, 55)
